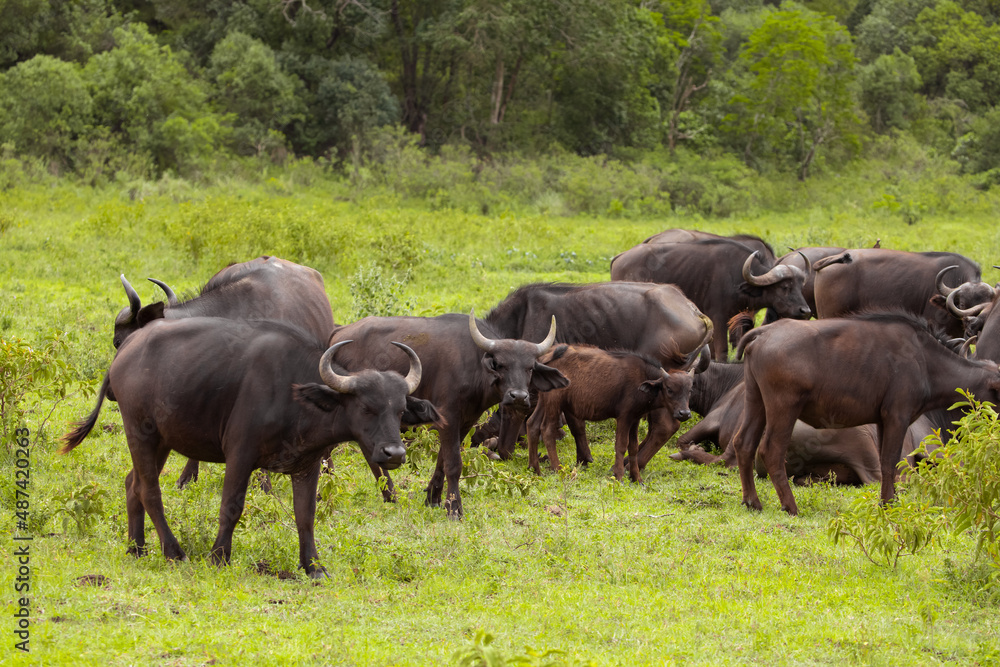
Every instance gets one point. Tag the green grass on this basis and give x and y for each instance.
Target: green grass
(671, 572)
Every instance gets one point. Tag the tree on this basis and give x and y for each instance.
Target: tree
(889, 91)
(249, 84)
(138, 86)
(44, 108)
(796, 93)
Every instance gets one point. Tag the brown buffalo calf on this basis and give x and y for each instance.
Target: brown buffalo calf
(604, 385)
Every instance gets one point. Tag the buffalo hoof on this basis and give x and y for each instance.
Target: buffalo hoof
(318, 573)
(137, 551)
(753, 505)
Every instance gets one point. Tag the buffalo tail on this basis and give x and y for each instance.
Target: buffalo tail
(83, 428)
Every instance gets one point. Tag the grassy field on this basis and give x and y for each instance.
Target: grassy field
(569, 568)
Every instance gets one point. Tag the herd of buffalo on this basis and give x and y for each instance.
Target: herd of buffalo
(254, 373)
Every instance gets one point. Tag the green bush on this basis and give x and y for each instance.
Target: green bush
(44, 109)
(33, 380)
(956, 487)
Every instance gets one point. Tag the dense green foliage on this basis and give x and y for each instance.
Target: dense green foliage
(125, 89)
(570, 568)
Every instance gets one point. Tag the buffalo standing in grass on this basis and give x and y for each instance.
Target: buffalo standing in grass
(849, 455)
(720, 276)
(468, 368)
(653, 320)
(265, 288)
(250, 395)
(882, 368)
(605, 385)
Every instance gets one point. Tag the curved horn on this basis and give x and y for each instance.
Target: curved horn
(482, 342)
(171, 297)
(546, 344)
(776, 274)
(134, 302)
(943, 289)
(413, 377)
(959, 312)
(809, 265)
(341, 383)
(964, 350)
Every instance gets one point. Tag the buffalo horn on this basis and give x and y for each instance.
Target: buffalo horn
(482, 342)
(340, 383)
(413, 377)
(546, 344)
(964, 350)
(171, 297)
(134, 302)
(776, 274)
(809, 265)
(943, 289)
(960, 313)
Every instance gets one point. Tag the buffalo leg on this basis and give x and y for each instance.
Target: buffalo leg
(534, 433)
(389, 492)
(146, 467)
(578, 428)
(448, 469)
(234, 495)
(189, 474)
(136, 514)
(773, 448)
(720, 345)
(511, 422)
(662, 427)
(304, 504)
(891, 432)
(625, 434)
(747, 440)
(550, 435)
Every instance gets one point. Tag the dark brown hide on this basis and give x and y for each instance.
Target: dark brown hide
(605, 385)
(250, 395)
(883, 368)
(711, 275)
(460, 378)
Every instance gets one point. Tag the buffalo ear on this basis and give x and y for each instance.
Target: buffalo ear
(317, 395)
(939, 301)
(750, 290)
(420, 411)
(546, 378)
(651, 386)
(147, 314)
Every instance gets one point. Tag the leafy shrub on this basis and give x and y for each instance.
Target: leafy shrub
(32, 378)
(44, 108)
(82, 508)
(481, 473)
(374, 293)
(957, 487)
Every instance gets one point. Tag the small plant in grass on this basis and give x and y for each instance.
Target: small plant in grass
(82, 508)
(480, 652)
(481, 473)
(374, 293)
(956, 488)
(32, 377)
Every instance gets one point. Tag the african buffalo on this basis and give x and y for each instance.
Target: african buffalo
(263, 288)
(468, 367)
(798, 257)
(246, 394)
(875, 279)
(718, 275)
(692, 235)
(653, 320)
(850, 455)
(605, 385)
(874, 368)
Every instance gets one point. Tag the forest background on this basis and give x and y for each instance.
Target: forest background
(127, 89)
